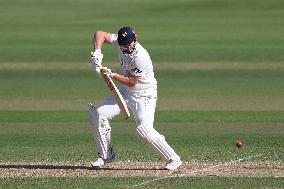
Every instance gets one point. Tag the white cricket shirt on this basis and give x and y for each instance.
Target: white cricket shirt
(138, 63)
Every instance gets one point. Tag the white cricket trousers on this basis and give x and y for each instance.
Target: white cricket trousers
(142, 107)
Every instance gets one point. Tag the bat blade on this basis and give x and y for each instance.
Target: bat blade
(118, 97)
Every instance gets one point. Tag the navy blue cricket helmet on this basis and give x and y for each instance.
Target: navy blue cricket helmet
(126, 36)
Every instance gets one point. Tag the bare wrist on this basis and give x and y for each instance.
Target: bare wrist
(113, 75)
(98, 50)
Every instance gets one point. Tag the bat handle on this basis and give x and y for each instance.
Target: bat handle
(102, 69)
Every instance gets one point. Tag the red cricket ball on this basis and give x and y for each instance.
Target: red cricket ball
(239, 144)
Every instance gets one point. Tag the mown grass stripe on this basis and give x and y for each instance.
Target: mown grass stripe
(161, 116)
(158, 65)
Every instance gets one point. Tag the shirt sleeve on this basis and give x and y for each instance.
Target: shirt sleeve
(142, 66)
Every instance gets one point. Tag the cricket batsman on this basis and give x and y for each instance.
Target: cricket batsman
(139, 89)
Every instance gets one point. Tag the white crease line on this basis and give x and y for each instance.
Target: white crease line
(192, 172)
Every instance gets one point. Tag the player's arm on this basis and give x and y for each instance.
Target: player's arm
(101, 37)
(133, 75)
(130, 81)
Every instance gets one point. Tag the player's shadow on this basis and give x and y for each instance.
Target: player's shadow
(44, 166)
(68, 167)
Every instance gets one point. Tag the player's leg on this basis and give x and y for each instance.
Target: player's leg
(144, 110)
(98, 120)
(158, 143)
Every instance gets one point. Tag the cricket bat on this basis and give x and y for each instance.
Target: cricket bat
(117, 95)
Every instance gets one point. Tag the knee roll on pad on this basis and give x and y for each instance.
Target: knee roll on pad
(97, 121)
(93, 115)
(148, 134)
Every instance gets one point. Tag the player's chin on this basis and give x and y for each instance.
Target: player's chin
(129, 51)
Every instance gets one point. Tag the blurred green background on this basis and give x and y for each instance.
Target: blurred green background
(181, 30)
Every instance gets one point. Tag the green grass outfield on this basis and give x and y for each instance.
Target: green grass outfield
(205, 137)
(220, 71)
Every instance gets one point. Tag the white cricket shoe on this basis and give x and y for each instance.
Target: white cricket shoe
(98, 163)
(101, 162)
(173, 165)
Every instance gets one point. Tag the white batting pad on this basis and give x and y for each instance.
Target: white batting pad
(157, 142)
(102, 133)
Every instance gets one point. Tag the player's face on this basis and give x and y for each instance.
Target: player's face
(128, 48)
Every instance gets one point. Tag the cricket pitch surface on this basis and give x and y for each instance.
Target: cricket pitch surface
(143, 169)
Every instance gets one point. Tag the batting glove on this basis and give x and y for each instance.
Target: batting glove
(98, 72)
(107, 71)
(104, 70)
(97, 57)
